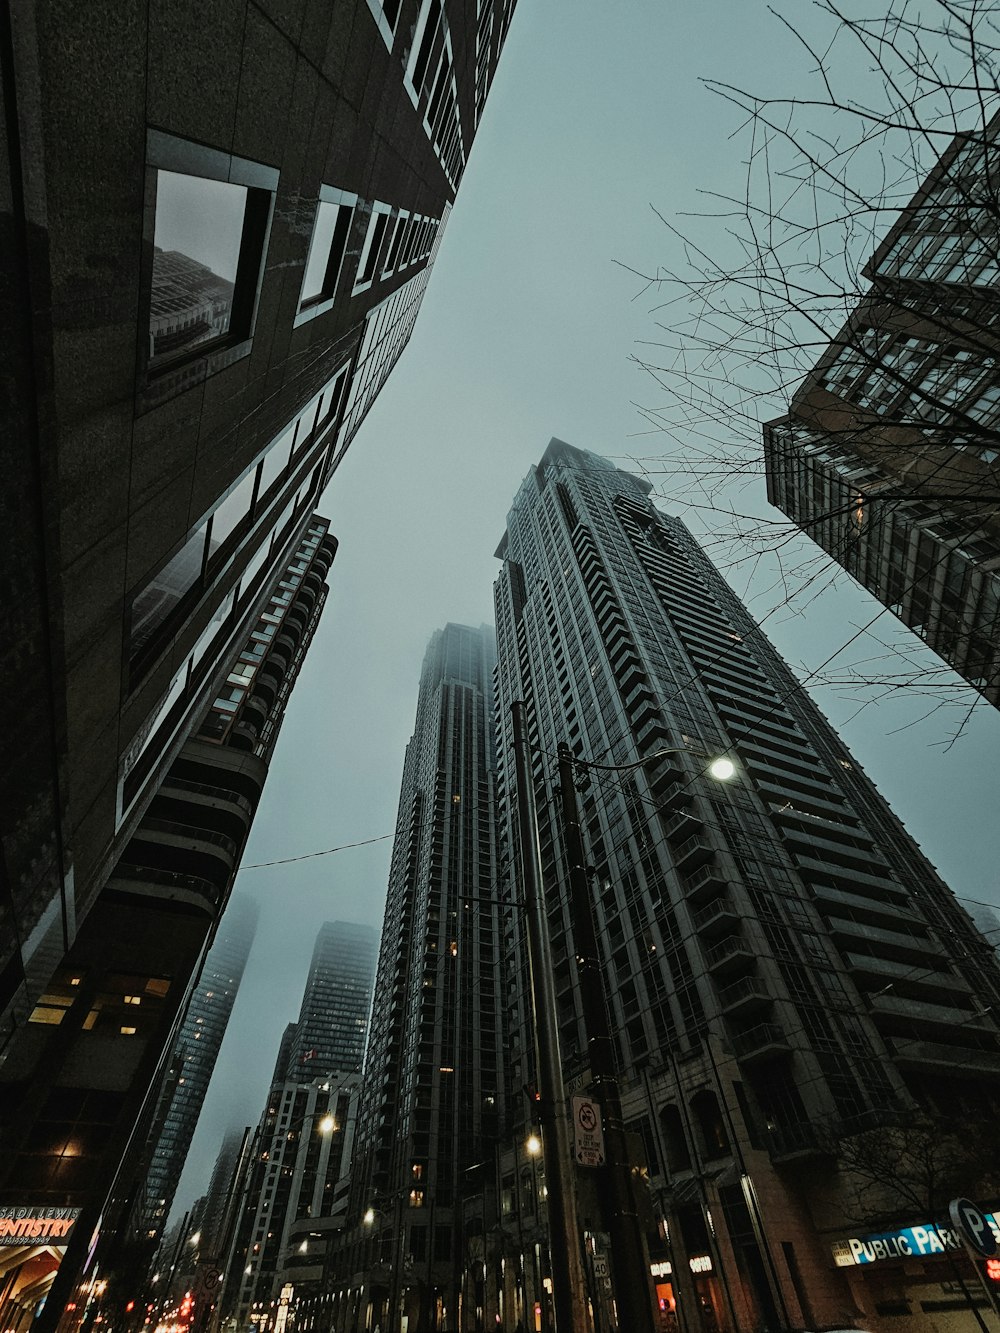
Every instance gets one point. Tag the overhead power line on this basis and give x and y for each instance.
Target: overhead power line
(307, 856)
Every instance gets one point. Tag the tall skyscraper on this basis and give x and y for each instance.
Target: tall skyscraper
(333, 1020)
(79, 1082)
(192, 348)
(192, 1062)
(434, 1087)
(889, 457)
(785, 972)
(296, 1191)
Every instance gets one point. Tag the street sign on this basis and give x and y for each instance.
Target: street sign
(588, 1132)
(601, 1267)
(973, 1227)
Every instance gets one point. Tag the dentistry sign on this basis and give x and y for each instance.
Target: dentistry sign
(914, 1242)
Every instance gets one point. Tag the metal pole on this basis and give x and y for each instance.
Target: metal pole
(568, 1287)
(635, 1297)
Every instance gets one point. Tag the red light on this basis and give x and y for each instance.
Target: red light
(130, 1306)
(993, 1269)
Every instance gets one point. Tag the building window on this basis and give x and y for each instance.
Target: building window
(207, 220)
(327, 248)
(386, 15)
(378, 222)
(161, 603)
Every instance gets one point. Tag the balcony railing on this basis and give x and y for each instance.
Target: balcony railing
(189, 832)
(204, 789)
(720, 912)
(748, 993)
(696, 851)
(761, 1042)
(731, 952)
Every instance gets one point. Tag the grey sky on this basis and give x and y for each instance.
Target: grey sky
(526, 332)
(201, 218)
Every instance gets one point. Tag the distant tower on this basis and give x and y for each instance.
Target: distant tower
(296, 1194)
(433, 1090)
(333, 1020)
(192, 1061)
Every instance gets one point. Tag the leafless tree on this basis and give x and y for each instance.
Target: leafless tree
(777, 312)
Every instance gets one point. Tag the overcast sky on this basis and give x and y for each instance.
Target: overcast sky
(526, 332)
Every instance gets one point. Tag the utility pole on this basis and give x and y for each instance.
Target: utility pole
(633, 1287)
(568, 1286)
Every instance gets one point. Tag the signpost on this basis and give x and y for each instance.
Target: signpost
(972, 1226)
(588, 1132)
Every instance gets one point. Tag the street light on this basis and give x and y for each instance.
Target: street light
(533, 1144)
(634, 1294)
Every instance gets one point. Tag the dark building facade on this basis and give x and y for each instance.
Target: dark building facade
(192, 347)
(191, 1062)
(785, 972)
(433, 1094)
(80, 1080)
(889, 457)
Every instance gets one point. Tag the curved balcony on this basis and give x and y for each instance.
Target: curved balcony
(155, 881)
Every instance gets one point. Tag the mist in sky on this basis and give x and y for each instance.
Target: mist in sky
(527, 329)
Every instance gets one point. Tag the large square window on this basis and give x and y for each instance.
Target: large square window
(208, 215)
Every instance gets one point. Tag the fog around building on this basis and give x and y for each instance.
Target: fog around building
(596, 117)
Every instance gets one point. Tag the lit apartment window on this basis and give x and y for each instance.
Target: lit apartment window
(327, 247)
(209, 217)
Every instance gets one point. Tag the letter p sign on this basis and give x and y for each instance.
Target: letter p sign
(973, 1227)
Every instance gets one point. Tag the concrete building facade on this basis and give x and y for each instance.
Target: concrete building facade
(194, 343)
(80, 1081)
(889, 457)
(789, 982)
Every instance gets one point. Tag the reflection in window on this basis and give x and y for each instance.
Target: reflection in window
(207, 636)
(231, 512)
(161, 597)
(199, 230)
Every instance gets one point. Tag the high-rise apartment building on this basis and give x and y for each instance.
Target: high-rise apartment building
(192, 1062)
(889, 457)
(193, 343)
(295, 1200)
(333, 1020)
(433, 1091)
(80, 1080)
(785, 972)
